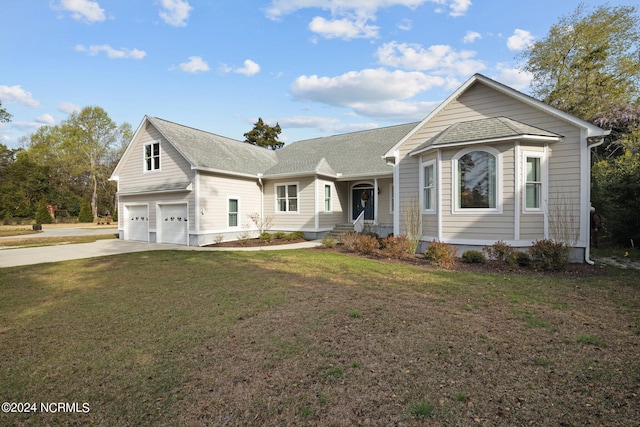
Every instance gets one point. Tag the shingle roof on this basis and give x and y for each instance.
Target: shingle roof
(351, 154)
(206, 150)
(483, 130)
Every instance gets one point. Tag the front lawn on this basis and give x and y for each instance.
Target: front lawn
(314, 338)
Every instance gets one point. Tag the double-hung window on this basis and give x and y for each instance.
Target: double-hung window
(327, 198)
(287, 198)
(533, 183)
(152, 157)
(233, 212)
(429, 186)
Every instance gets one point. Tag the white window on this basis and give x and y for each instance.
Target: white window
(233, 212)
(287, 198)
(152, 157)
(476, 185)
(429, 186)
(327, 198)
(533, 182)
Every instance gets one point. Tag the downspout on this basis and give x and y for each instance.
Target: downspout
(261, 196)
(592, 142)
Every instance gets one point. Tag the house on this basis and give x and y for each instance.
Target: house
(488, 164)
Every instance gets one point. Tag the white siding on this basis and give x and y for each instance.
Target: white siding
(304, 218)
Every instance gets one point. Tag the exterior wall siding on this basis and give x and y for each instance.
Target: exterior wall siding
(304, 218)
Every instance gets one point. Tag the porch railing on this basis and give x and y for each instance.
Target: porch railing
(358, 224)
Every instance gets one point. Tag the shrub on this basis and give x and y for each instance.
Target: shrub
(441, 254)
(42, 214)
(279, 235)
(367, 244)
(294, 235)
(396, 247)
(328, 241)
(548, 254)
(86, 214)
(522, 259)
(348, 240)
(500, 252)
(473, 257)
(265, 236)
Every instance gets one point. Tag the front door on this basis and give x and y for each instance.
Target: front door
(363, 201)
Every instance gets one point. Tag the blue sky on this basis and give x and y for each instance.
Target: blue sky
(318, 67)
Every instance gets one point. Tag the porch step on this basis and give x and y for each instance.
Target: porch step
(339, 229)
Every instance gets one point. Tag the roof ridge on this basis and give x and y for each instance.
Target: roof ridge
(195, 129)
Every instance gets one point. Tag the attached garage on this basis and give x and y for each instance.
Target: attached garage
(136, 226)
(173, 224)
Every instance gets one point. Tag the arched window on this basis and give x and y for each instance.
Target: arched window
(477, 180)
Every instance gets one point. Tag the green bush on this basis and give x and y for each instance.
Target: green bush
(396, 247)
(265, 236)
(473, 257)
(548, 254)
(294, 235)
(501, 253)
(86, 215)
(279, 235)
(441, 254)
(42, 213)
(328, 241)
(367, 244)
(523, 259)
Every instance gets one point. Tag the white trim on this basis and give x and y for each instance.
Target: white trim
(516, 190)
(144, 157)
(517, 138)
(376, 202)
(197, 214)
(396, 192)
(421, 174)
(545, 191)
(391, 198)
(585, 190)
(233, 227)
(544, 184)
(439, 197)
(316, 203)
(275, 196)
(499, 183)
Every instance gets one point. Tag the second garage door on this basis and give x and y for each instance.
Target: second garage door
(174, 224)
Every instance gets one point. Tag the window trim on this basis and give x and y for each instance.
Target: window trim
(526, 155)
(391, 198)
(286, 198)
(328, 199)
(455, 196)
(229, 213)
(144, 157)
(423, 166)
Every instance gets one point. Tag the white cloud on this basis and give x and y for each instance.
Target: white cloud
(458, 7)
(68, 107)
(17, 95)
(175, 12)
(521, 39)
(82, 10)
(343, 28)
(440, 59)
(406, 25)
(45, 119)
(195, 65)
(250, 68)
(401, 111)
(112, 53)
(513, 77)
(471, 37)
(361, 87)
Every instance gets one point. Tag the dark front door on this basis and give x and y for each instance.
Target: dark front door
(363, 201)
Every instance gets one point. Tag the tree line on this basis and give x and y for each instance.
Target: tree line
(66, 165)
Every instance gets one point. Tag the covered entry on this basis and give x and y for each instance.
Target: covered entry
(136, 225)
(173, 223)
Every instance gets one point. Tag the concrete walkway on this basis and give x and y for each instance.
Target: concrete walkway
(10, 257)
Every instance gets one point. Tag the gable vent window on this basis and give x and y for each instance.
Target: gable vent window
(152, 157)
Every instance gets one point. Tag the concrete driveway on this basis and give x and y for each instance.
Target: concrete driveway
(12, 256)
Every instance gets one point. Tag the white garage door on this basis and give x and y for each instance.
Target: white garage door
(174, 224)
(136, 226)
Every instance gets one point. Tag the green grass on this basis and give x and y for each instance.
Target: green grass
(51, 241)
(261, 338)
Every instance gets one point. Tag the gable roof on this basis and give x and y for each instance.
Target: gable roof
(485, 131)
(591, 129)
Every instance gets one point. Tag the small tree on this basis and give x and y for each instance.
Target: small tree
(264, 135)
(42, 213)
(86, 214)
